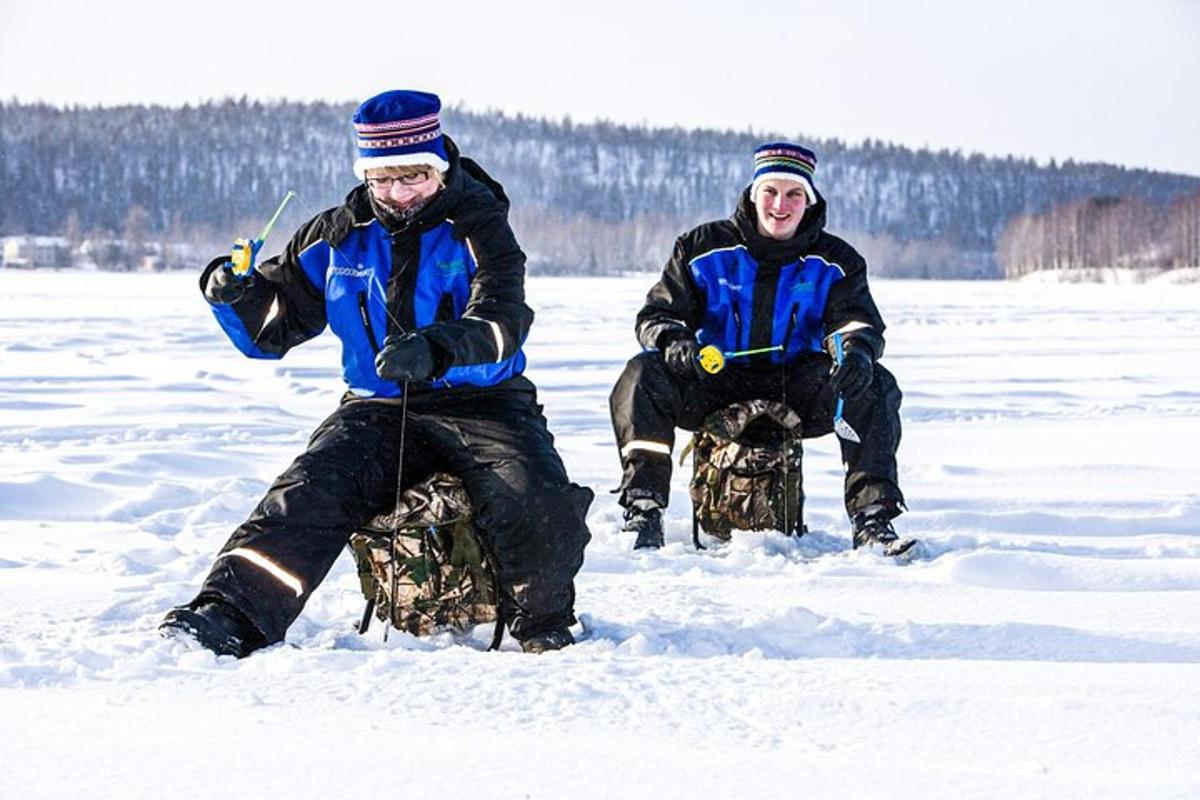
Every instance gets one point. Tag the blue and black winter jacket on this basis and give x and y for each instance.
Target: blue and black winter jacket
(733, 288)
(454, 272)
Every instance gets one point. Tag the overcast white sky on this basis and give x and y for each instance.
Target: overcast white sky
(1091, 80)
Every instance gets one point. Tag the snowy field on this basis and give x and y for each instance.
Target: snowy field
(1047, 646)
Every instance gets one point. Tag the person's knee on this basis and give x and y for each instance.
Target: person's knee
(326, 491)
(499, 515)
(886, 387)
(537, 530)
(644, 371)
(647, 361)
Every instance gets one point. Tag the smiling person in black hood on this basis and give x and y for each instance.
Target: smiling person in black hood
(769, 277)
(420, 276)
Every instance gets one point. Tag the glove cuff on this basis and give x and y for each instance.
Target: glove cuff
(206, 275)
(221, 289)
(856, 345)
(673, 334)
(442, 358)
(864, 340)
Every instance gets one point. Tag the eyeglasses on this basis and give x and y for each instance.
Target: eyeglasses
(384, 183)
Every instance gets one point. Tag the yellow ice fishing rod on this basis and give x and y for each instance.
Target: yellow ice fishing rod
(244, 250)
(712, 360)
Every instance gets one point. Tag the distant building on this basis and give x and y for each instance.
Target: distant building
(114, 255)
(106, 254)
(36, 252)
(119, 255)
(159, 256)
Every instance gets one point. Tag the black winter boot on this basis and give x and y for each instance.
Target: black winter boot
(647, 522)
(873, 528)
(553, 639)
(215, 626)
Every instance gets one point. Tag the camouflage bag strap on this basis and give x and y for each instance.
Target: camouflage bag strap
(366, 580)
(720, 486)
(705, 486)
(690, 447)
(433, 572)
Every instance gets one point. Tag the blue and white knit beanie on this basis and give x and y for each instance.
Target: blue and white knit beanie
(791, 162)
(399, 128)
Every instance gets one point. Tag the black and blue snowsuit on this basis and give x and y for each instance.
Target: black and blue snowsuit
(454, 273)
(732, 287)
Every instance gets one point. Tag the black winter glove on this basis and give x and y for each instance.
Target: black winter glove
(405, 357)
(225, 287)
(683, 356)
(857, 371)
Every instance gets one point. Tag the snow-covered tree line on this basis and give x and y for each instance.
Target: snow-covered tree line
(592, 198)
(1102, 233)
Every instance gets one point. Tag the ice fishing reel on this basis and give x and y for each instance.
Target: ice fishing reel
(712, 360)
(244, 251)
(241, 257)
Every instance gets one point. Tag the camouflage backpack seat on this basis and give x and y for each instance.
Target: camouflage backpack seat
(746, 471)
(443, 578)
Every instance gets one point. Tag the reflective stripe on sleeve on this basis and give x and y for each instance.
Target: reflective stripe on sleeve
(497, 334)
(272, 313)
(259, 560)
(847, 328)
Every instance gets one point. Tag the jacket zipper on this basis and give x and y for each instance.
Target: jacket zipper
(787, 333)
(366, 320)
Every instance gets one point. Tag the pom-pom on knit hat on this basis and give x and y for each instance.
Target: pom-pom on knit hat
(792, 162)
(399, 128)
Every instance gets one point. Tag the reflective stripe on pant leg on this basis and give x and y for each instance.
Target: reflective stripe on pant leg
(259, 560)
(646, 445)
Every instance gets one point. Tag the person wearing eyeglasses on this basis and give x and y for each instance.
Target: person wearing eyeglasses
(421, 278)
(785, 298)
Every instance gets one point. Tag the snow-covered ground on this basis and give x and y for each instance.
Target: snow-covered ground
(1111, 275)
(1049, 646)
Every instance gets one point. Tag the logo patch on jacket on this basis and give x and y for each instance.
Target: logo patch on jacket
(455, 267)
(351, 272)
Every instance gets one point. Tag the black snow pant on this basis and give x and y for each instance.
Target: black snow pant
(649, 402)
(527, 511)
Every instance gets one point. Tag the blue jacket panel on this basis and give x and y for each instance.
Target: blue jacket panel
(803, 291)
(728, 278)
(447, 268)
(354, 277)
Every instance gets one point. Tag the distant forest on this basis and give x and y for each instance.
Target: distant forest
(1103, 233)
(587, 199)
